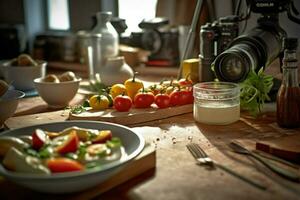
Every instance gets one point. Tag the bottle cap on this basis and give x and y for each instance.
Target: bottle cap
(290, 43)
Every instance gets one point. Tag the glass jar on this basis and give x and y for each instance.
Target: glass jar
(110, 38)
(216, 103)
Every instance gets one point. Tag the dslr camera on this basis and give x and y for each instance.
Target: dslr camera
(214, 39)
(232, 60)
(159, 39)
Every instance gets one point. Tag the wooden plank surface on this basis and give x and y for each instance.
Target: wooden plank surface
(177, 175)
(35, 119)
(287, 147)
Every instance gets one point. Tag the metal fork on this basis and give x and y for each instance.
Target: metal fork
(203, 159)
(285, 173)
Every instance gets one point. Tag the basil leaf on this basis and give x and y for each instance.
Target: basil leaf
(254, 91)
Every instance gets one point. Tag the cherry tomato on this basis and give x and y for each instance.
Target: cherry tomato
(99, 102)
(175, 98)
(117, 89)
(156, 88)
(185, 82)
(103, 136)
(143, 99)
(70, 144)
(162, 100)
(180, 97)
(64, 165)
(190, 97)
(170, 89)
(122, 103)
(39, 138)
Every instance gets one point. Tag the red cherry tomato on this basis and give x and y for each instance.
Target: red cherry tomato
(175, 98)
(122, 103)
(190, 97)
(63, 165)
(181, 97)
(70, 144)
(185, 82)
(39, 138)
(143, 99)
(162, 100)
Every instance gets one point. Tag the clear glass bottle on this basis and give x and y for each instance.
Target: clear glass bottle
(110, 38)
(288, 97)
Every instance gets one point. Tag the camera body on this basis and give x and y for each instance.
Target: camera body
(214, 39)
(161, 40)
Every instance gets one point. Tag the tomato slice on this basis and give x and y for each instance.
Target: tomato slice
(102, 137)
(63, 165)
(70, 144)
(39, 138)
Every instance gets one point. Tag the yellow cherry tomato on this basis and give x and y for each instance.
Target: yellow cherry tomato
(117, 89)
(99, 102)
(132, 86)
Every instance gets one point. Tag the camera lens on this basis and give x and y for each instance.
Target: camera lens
(256, 49)
(234, 64)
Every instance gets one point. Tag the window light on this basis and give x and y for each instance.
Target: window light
(134, 11)
(58, 15)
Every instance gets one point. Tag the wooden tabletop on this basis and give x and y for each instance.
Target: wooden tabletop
(177, 176)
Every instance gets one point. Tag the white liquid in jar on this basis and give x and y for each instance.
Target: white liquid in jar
(216, 113)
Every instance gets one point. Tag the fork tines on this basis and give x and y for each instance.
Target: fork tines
(196, 150)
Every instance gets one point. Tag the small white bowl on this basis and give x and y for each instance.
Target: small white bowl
(9, 103)
(57, 95)
(21, 77)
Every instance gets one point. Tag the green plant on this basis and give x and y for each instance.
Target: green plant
(254, 91)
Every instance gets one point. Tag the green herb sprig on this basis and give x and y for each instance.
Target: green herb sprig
(254, 91)
(77, 109)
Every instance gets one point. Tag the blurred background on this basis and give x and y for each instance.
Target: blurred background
(47, 29)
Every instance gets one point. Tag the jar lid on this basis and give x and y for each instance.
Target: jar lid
(216, 90)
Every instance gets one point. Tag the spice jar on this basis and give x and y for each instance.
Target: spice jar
(288, 97)
(216, 103)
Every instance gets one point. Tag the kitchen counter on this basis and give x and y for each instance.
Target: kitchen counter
(176, 175)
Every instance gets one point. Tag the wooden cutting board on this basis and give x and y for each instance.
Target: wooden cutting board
(143, 163)
(287, 147)
(134, 116)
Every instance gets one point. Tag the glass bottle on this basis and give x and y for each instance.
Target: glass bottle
(288, 97)
(110, 39)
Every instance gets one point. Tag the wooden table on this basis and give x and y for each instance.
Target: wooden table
(178, 177)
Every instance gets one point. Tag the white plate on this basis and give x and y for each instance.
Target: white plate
(76, 181)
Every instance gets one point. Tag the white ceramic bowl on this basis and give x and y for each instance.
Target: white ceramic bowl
(57, 95)
(76, 181)
(9, 103)
(21, 77)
